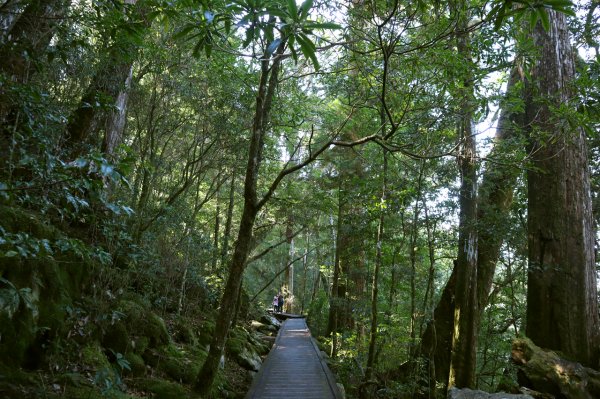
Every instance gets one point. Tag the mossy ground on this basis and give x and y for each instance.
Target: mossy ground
(78, 339)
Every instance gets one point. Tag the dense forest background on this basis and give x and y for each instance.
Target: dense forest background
(420, 179)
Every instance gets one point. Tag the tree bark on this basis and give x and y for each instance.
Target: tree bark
(562, 309)
(109, 87)
(266, 92)
(464, 337)
(228, 222)
(495, 198)
(335, 300)
(375, 281)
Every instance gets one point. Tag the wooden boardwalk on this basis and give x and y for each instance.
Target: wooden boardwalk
(294, 369)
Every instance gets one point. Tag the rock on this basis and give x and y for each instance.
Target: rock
(240, 348)
(270, 320)
(162, 389)
(267, 329)
(465, 393)
(183, 332)
(248, 359)
(181, 363)
(342, 390)
(136, 364)
(546, 372)
(250, 374)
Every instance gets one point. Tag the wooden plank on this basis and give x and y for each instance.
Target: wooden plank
(294, 368)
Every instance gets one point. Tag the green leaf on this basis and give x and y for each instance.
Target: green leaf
(305, 8)
(278, 13)
(543, 15)
(249, 36)
(292, 49)
(292, 9)
(533, 18)
(321, 25)
(308, 49)
(10, 254)
(106, 169)
(559, 3)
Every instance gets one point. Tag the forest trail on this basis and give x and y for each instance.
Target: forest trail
(294, 368)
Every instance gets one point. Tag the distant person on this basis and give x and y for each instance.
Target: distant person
(275, 304)
(280, 302)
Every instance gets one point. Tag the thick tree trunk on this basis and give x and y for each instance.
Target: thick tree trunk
(29, 37)
(494, 202)
(26, 41)
(464, 338)
(562, 310)
(109, 87)
(115, 122)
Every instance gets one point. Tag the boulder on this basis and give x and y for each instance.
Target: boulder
(465, 393)
(241, 349)
(267, 329)
(546, 372)
(270, 320)
(248, 359)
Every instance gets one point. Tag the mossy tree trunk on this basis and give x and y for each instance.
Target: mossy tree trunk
(495, 199)
(266, 91)
(464, 337)
(562, 309)
(109, 88)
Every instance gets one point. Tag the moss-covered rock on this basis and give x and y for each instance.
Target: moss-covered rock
(93, 357)
(41, 287)
(91, 392)
(138, 329)
(181, 363)
(117, 338)
(161, 389)
(206, 332)
(183, 332)
(136, 364)
(239, 348)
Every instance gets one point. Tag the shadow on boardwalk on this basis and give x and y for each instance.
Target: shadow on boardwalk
(294, 368)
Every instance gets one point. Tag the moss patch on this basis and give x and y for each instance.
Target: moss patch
(161, 389)
(206, 332)
(136, 363)
(181, 363)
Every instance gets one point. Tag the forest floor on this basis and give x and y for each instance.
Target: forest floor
(71, 327)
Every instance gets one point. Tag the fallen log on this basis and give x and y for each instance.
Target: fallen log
(546, 372)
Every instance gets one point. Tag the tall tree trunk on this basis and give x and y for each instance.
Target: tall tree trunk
(115, 122)
(215, 256)
(562, 309)
(375, 281)
(228, 222)
(29, 37)
(266, 92)
(109, 86)
(413, 261)
(288, 284)
(494, 202)
(464, 338)
(335, 300)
